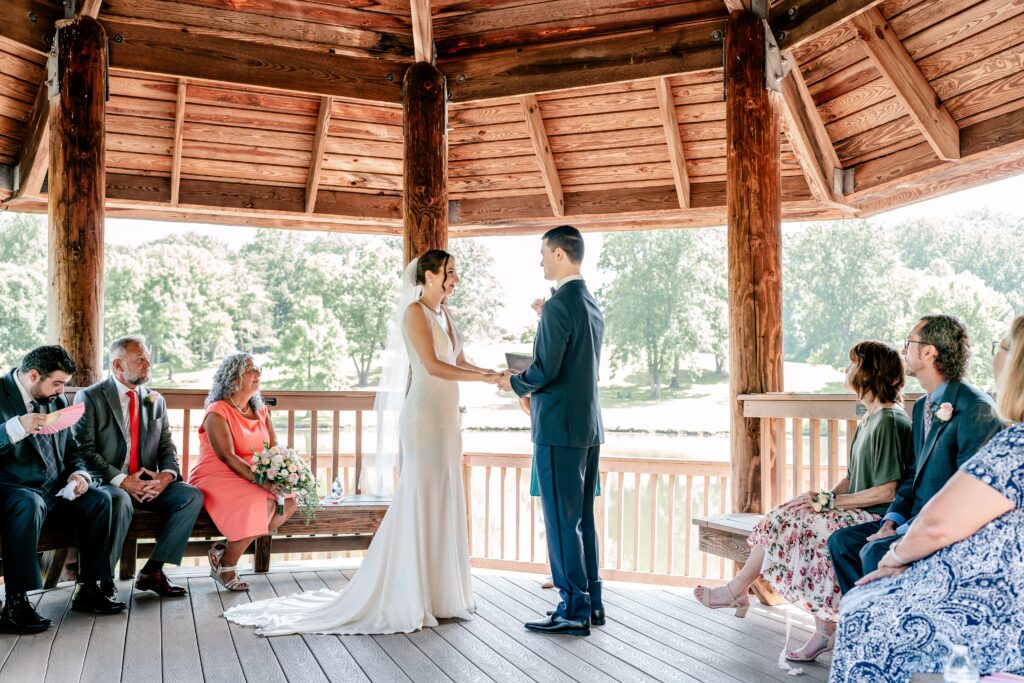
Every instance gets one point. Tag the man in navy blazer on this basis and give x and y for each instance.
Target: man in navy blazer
(565, 414)
(951, 423)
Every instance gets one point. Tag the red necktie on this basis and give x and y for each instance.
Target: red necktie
(133, 419)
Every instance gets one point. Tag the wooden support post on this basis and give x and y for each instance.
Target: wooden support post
(754, 216)
(77, 183)
(425, 196)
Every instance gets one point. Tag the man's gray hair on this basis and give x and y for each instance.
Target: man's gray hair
(228, 379)
(122, 343)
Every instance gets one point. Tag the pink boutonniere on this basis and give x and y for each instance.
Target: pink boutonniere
(153, 397)
(944, 413)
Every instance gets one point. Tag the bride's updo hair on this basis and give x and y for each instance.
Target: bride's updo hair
(434, 260)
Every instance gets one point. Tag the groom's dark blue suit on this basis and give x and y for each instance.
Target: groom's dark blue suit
(567, 433)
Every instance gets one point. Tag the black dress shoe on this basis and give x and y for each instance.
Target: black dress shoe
(596, 617)
(89, 597)
(18, 616)
(557, 626)
(159, 584)
(109, 589)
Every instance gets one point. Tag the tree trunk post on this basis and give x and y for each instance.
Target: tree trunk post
(76, 188)
(425, 195)
(754, 210)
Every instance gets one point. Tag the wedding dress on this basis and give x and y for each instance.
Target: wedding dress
(416, 569)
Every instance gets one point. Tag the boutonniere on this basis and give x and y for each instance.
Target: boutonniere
(153, 397)
(944, 412)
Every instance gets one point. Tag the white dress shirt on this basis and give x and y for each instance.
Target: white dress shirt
(570, 278)
(15, 430)
(122, 395)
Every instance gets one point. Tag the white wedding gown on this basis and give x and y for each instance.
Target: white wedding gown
(416, 569)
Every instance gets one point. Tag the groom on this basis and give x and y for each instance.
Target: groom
(567, 431)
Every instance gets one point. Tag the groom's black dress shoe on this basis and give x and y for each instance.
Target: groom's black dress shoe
(159, 584)
(596, 617)
(19, 616)
(557, 626)
(89, 597)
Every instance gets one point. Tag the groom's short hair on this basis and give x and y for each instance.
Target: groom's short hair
(568, 239)
(948, 334)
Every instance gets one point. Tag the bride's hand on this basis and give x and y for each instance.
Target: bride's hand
(491, 376)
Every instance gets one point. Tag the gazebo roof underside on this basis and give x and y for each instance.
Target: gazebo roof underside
(287, 113)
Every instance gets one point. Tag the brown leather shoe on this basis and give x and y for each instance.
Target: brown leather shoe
(159, 584)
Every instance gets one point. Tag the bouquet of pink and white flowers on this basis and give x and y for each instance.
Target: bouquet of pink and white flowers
(288, 472)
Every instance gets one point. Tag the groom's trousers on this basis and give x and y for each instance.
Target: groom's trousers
(568, 482)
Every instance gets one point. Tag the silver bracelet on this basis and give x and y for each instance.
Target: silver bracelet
(895, 556)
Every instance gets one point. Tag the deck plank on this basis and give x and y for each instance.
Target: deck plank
(483, 655)
(217, 654)
(181, 660)
(143, 639)
(29, 659)
(259, 663)
(72, 642)
(299, 664)
(9, 640)
(105, 656)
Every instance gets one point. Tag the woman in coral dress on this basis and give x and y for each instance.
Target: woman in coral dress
(236, 424)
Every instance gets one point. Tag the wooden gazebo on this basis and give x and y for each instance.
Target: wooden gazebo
(478, 117)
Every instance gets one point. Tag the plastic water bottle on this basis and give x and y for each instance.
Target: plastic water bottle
(959, 667)
(336, 490)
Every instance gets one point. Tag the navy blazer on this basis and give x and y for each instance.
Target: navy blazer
(103, 438)
(948, 446)
(565, 409)
(22, 464)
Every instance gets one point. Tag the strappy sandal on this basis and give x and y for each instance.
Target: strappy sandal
(795, 656)
(214, 554)
(734, 601)
(235, 584)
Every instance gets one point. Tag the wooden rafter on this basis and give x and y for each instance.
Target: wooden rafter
(422, 31)
(795, 22)
(670, 122)
(545, 159)
(896, 65)
(808, 137)
(316, 159)
(179, 125)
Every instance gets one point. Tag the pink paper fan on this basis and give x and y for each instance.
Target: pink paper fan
(62, 419)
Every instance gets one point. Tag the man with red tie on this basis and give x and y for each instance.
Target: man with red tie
(125, 440)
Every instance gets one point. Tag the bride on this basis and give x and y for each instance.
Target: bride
(416, 569)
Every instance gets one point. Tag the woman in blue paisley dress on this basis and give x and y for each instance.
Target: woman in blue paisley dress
(957, 576)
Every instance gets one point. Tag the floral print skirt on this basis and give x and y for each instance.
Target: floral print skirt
(796, 558)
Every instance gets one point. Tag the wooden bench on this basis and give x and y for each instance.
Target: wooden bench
(726, 536)
(346, 525)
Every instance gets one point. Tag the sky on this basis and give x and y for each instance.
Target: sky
(517, 259)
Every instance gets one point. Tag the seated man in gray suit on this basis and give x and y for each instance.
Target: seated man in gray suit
(125, 441)
(950, 423)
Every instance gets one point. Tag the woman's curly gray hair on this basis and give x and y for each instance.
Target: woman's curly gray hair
(228, 379)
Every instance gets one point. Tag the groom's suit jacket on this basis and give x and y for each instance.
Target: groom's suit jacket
(103, 435)
(948, 446)
(21, 464)
(562, 379)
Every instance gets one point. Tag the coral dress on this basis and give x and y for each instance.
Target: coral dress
(236, 505)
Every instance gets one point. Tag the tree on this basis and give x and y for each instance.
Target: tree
(22, 285)
(478, 297)
(650, 278)
(842, 282)
(309, 346)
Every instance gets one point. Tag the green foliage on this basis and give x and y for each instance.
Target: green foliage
(478, 297)
(22, 285)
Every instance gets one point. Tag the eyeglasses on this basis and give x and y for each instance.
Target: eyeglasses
(998, 346)
(908, 342)
(254, 369)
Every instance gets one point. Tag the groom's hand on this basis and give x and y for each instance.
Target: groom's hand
(504, 382)
(537, 305)
(524, 403)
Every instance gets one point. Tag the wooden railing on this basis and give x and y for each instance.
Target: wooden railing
(819, 427)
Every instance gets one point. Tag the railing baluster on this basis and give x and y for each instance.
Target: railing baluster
(707, 508)
(779, 463)
(766, 463)
(687, 523)
(359, 443)
(654, 521)
(851, 428)
(669, 524)
(636, 522)
(533, 528)
(602, 509)
(833, 451)
(519, 479)
(798, 456)
(487, 511)
(618, 521)
(721, 511)
(815, 456)
(335, 442)
(291, 428)
(501, 519)
(467, 484)
(313, 440)
(186, 445)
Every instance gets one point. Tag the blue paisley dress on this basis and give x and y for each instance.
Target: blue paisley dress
(969, 593)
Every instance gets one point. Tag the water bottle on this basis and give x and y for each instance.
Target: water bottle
(959, 667)
(336, 490)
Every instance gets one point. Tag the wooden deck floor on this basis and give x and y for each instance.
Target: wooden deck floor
(652, 634)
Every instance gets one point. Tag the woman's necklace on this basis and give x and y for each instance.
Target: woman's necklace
(435, 311)
(243, 412)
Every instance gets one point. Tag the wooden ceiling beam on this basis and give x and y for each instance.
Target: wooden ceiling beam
(542, 150)
(595, 61)
(809, 139)
(138, 46)
(794, 22)
(422, 31)
(670, 122)
(179, 137)
(896, 65)
(316, 160)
